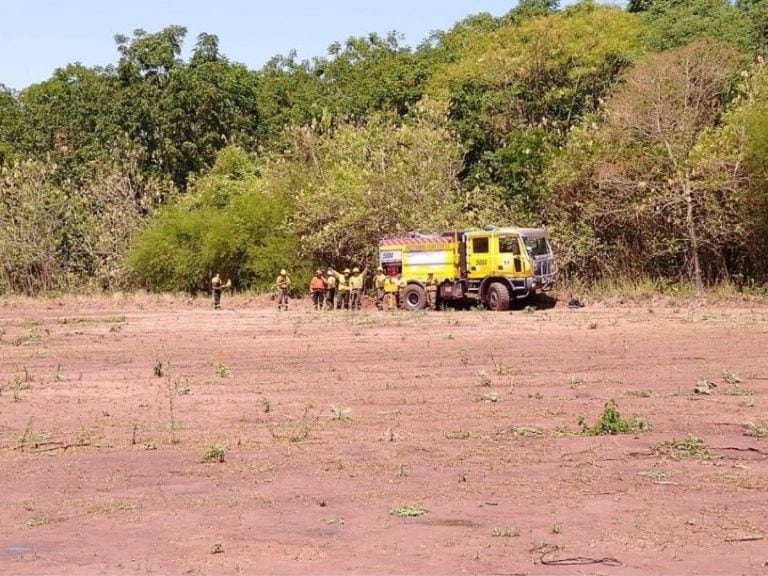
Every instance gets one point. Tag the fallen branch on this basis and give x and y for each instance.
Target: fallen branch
(745, 539)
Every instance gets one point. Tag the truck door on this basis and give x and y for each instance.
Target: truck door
(510, 263)
(480, 252)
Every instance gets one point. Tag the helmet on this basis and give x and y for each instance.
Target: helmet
(283, 272)
(379, 269)
(355, 270)
(318, 271)
(330, 272)
(346, 270)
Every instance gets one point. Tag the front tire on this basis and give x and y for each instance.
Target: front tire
(414, 297)
(498, 297)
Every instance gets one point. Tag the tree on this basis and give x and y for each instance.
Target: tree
(364, 181)
(516, 91)
(230, 222)
(649, 181)
(675, 23)
(10, 124)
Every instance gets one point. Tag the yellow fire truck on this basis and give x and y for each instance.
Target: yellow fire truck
(490, 266)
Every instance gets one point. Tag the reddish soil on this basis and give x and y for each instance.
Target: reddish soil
(332, 421)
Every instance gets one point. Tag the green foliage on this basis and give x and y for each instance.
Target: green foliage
(230, 223)
(675, 23)
(361, 182)
(610, 422)
(516, 90)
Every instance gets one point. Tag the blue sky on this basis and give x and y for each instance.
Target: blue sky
(38, 36)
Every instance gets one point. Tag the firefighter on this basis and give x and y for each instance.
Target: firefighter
(378, 283)
(317, 288)
(390, 292)
(330, 290)
(401, 285)
(431, 286)
(216, 287)
(356, 282)
(283, 285)
(342, 289)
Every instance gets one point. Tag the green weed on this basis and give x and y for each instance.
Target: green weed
(690, 448)
(610, 422)
(408, 511)
(215, 453)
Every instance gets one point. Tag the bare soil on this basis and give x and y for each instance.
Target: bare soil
(330, 424)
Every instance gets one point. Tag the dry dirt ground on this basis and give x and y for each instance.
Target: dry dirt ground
(330, 425)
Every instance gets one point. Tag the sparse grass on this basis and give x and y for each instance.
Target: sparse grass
(731, 378)
(159, 369)
(490, 397)
(528, 431)
(592, 325)
(690, 448)
(483, 378)
(611, 422)
(641, 393)
(266, 405)
(340, 413)
(505, 532)
(36, 521)
(458, 435)
(217, 547)
(756, 430)
(29, 439)
(499, 367)
(221, 369)
(215, 453)
(464, 357)
(576, 382)
(408, 511)
(737, 390)
(705, 387)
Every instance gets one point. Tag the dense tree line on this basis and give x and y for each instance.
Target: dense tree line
(640, 135)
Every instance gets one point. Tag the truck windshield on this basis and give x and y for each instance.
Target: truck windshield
(509, 245)
(537, 246)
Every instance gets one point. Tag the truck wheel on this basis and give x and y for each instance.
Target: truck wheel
(414, 297)
(498, 297)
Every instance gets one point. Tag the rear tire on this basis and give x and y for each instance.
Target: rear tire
(498, 297)
(414, 297)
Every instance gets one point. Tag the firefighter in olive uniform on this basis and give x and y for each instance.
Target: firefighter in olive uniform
(216, 287)
(402, 283)
(431, 286)
(378, 283)
(330, 290)
(283, 285)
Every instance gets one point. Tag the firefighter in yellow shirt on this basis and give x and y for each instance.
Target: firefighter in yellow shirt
(283, 285)
(342, 288)
(356, 282)
(378, 283)
(390, 292)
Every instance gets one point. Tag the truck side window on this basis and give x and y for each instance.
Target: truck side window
(509, 245)
(480, 245)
